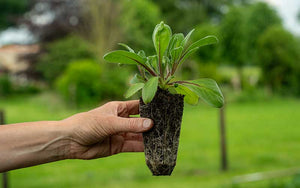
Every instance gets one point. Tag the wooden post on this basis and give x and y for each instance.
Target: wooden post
(223, 150)
(4, 175)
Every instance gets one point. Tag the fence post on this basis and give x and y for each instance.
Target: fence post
(5, 174)
(223, 149)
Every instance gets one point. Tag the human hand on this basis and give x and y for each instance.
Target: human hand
(106, 130)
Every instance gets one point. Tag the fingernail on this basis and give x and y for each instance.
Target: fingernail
(147, 123)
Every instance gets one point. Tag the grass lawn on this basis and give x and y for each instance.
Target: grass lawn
(262, 136)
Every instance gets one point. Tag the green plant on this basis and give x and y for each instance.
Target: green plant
(158, 70)
(5, 85)
(81, 82)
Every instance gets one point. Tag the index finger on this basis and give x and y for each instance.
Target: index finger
(132, 107)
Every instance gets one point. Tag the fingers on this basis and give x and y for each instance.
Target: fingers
(133, 146)
(132, 136)
(135, 125)
(132, 107)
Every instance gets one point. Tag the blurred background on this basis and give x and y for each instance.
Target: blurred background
(51, 67)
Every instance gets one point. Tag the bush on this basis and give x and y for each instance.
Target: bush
(59, 54)
(86, 82)
(5, 86)
(279, 58)
(81, 82)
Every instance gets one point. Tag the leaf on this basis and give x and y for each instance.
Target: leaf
(124, 57)
(137, 79)
(187, 37)
(142, 54)
(203, 42)
(190, 96)
(175, 42)
(161, 37)
(176, 53)
(149, 90)
(152, 61)
(190, 52)
(179, 38)
(207, 89)
(127, 47)
(133, 89)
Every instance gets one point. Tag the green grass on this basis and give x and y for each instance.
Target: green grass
(262, 136)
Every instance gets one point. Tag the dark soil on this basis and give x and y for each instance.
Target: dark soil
(161, 142)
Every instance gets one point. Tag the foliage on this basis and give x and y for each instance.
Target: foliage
(210, 53)
(59, 54)
(158, 70)
(5, 85)
(84, 83)
(81, 82)
(279, 57)
(138, 17)
(260, 17)
(233, 35)
(9, 9)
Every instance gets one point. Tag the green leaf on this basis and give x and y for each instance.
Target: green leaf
(190, 96)
(142, 54)
(161, 37)
(179, 38)
(149, 90)
(152, 62)
(187, 37)
(207, 89)
(133, 89)
(189, 53)
(175, 42)
(176, 53)
(124, 57)
(203, 42)
(126, 46)
(137, 79)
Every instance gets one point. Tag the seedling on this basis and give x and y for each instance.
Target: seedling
(163, 94)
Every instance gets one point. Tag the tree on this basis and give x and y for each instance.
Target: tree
(278, 53)
(260, 17)
(10, 10)
(233, 37)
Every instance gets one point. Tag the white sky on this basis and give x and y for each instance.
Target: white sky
(288, 10)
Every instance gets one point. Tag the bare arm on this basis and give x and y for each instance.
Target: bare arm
(101, 132)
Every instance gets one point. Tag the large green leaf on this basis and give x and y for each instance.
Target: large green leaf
(176, 53)
(124, 57)
(152, 62)
(187, 37)
(175, 42)
(137, 79)
(203, 42)
(161, 37)
(189, 96)
(207, 89)
(149, 90)
(133, 89)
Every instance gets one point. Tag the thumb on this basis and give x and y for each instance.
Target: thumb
(131, 125)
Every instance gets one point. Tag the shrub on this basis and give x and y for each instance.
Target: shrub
(58, 55)
(87, 82)
(81, 82)
(5, 86)
(279, 58)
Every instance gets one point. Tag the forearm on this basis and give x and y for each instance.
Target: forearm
(27, 144)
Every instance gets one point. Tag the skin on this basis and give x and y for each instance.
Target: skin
(101, 132)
